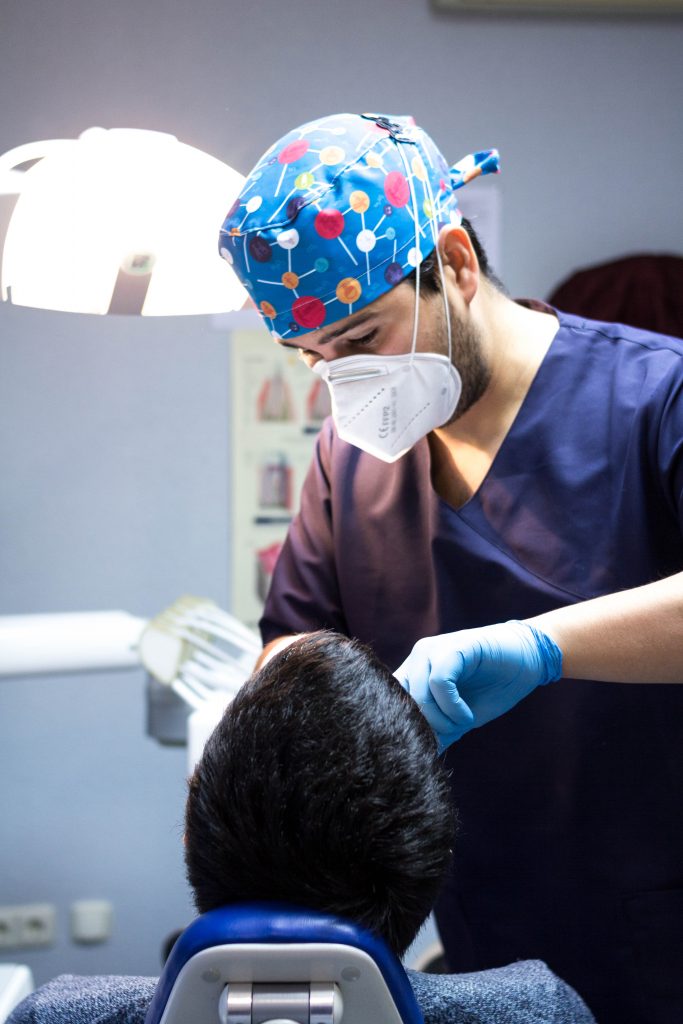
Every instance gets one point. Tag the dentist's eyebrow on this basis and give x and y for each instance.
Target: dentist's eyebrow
(360, 319)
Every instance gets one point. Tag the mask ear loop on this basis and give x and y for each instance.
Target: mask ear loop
(435, 236)
(413, 198)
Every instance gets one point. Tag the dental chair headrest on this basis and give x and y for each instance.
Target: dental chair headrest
(256, 962)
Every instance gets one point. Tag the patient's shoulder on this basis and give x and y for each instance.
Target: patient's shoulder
(70, 999)
(526, 992)
(523, 993)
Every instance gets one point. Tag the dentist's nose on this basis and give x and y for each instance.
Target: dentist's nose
(309, 358)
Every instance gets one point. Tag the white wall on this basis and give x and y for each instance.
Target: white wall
(114, 453)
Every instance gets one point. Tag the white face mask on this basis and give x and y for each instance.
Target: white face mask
(385, 404)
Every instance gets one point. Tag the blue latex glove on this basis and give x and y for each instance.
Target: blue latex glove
(463, 680)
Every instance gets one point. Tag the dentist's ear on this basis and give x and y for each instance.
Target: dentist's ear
(459, 260)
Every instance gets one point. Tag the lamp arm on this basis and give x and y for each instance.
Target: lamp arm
(68, 642)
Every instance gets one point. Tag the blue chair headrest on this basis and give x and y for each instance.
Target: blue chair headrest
(217, 943)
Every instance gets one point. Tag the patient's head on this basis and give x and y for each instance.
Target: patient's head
(320, 788)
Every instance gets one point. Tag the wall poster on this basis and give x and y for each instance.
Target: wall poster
(278, 407)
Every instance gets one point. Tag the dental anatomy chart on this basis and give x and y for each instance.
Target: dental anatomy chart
(278, 407)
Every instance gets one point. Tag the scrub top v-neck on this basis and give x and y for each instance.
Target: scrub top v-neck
(570, 803)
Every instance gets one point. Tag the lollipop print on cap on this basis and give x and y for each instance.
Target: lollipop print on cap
(329, 223)
(293, 152)
(349, 291)
(260, 249)
(332, 155)
(309, 312)
(396, 188)
(289, 155)
(359, 201)
(338, 212)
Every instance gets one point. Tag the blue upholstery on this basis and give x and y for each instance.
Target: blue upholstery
(278, 923)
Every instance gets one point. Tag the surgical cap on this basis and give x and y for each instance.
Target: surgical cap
(337, 213)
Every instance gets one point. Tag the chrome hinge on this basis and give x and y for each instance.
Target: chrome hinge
(315, 1003)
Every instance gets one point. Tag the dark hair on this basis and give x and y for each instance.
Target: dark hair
(429, 267)
(319, 787)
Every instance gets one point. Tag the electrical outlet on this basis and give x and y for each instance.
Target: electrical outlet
(9, 929)
(27, 925)
(37, 923)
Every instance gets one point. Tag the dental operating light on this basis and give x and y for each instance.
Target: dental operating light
(118, 221)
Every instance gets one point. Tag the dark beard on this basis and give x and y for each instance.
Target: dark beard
(469, 361)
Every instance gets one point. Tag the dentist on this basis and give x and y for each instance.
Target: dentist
(490, 461)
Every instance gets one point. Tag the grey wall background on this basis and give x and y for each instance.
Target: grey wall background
(114, 448)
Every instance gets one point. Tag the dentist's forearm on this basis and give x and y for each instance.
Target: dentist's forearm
(634, 636)
(274, 647)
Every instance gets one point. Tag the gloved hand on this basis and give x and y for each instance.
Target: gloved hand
(463, 680)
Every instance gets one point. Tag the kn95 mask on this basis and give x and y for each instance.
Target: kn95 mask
(385, 404)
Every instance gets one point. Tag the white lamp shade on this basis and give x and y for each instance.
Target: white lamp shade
(114, 206)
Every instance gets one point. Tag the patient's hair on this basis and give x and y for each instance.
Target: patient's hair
(320, 788)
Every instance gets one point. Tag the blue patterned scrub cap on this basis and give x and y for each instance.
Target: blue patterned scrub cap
(338, 212)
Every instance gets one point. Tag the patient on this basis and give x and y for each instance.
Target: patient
(320, 788)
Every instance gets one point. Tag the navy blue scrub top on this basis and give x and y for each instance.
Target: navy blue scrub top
(571, 844)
